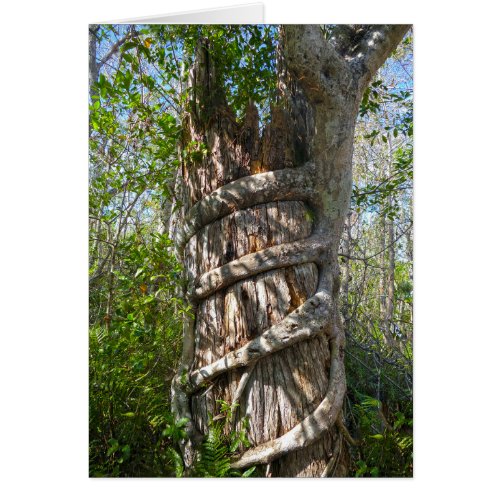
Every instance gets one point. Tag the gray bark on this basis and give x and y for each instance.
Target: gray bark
(388, 266)
(266, 331)
(93, 66)
(389, 310)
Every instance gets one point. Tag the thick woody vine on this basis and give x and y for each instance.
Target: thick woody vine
(308, 320)
(333, 81)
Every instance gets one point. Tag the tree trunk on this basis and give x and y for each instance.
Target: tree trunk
(346, 274)
(93, 66)
(388, 266)
(389, 310)
(258, 232)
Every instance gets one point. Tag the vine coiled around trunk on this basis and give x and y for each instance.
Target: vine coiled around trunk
(316, 315)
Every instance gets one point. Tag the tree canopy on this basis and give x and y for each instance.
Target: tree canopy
(138, 103)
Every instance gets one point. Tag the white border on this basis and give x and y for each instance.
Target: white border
(238, 14)
(43, 202)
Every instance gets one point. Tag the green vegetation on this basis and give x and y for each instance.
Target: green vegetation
(138, 101)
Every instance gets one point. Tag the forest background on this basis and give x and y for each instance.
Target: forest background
(451, 114)
(139, 96)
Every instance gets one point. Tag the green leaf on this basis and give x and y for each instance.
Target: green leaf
(234, 446)
(182, 422)
(126, 451)
(248, 472)
(127, 46)
(177, 460)
(362, 467)
(114, 445)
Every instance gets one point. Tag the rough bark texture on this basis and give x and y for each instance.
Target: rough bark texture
(93, 66)
(268, 317)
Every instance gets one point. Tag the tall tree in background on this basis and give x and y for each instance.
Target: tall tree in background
(259, 231)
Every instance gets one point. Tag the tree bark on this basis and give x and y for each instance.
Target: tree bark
(346, 244)
(389, 310)
(388, 264)
(93, 66)
(258, 232)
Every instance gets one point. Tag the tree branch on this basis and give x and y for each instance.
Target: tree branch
(113, 50)
(374, 48)
(311, 428)
(314, 61)
(278, 185)
(365, 259)
(287, 254)
(307, 321)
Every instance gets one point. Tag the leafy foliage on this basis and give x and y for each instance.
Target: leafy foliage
(245, 57)
(135, 112)
(386, 131)
(130, 427)
(219, 446)
(381, 194)
(138, 100)
(377, 291)
(386, 448)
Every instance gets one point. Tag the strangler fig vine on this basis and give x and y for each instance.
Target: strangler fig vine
(258, 232)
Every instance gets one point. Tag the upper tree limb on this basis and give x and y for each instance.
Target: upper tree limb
(374, 47)
(351, 55)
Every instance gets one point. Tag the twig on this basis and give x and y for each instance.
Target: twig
(364, 259)
(343, 430)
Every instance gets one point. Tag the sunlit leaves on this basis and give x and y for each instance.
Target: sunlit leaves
(245, 58)
(373, 195)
